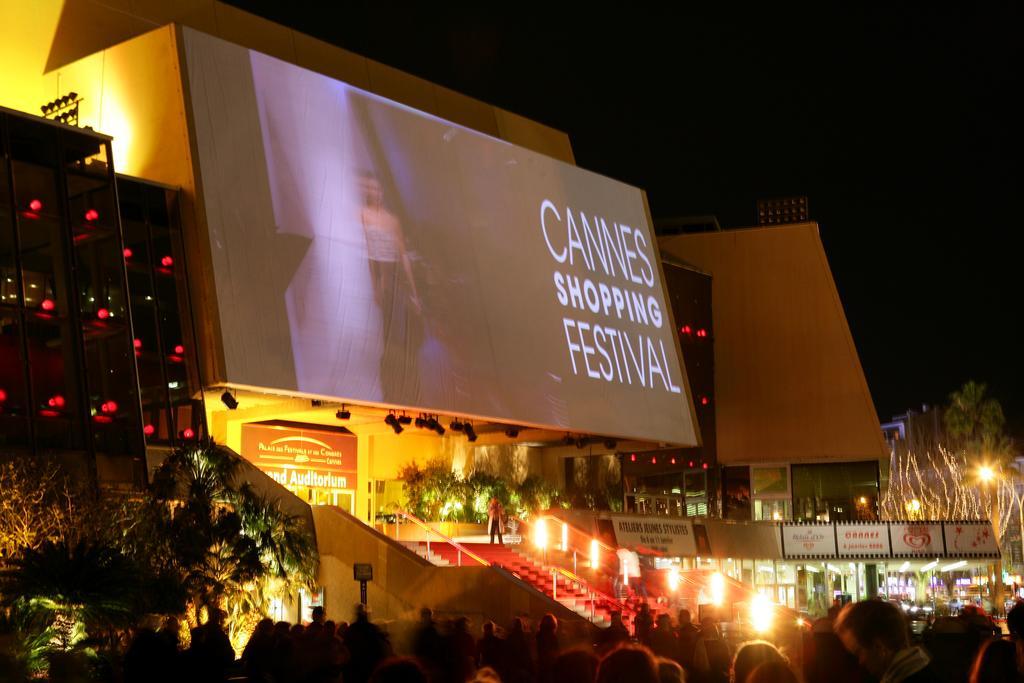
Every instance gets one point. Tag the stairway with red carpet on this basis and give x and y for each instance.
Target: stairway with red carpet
(576, 595)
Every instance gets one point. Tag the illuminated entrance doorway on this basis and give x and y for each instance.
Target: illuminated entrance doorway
(339, 498)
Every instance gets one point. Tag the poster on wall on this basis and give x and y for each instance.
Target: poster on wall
(365, 250)
(302, 455)
(862, 540)
(808, 540)
(916, 539)
(672, 537)
(970, 538)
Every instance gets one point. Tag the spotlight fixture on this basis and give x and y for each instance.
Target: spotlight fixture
(610, 444)
(433, 424)
(582, 442)
(343, 414)
(67, 106)
(316, 403)
(404, 419)
(420, 422)
(392, 421)
(470, 433)
(227, 399)
(568, 440)
(512, 432)
(456, 426)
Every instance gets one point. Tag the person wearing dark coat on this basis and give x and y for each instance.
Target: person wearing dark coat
(876, 633)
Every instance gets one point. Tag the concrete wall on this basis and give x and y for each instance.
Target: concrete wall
(789, 386)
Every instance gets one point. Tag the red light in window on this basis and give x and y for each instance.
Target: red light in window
(91, 215)
(704, 400)
(149, 430)
(108, 407)
(47, 305)
(673, 461)
(35, 205)
(704, 466)
(654, 461)
(685, 329)
(702, 333)
(103, 314)
(632, 458)
(57, 401)
(127, 252)
(179, 349)
(166, 262)
(691, 463)
(187, 433)
(137, 343)
(3, 395)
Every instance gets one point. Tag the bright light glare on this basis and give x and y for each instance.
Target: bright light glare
(717, 588)
(761, 613)
(595, 554)
(914, 505)
(929, 566)
(673, 579)
(540, 534)
(905, 566)
(986, 474)
(565, 537)
(955, 565)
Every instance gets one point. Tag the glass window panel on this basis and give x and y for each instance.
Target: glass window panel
(8, 274)
(112, 395)
(100, 284)
(90, 205)
(13, 396)
(52, 373)
(35, 191)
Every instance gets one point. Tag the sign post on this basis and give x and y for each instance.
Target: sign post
(362, 573)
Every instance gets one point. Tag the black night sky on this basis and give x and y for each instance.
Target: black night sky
(900, 123)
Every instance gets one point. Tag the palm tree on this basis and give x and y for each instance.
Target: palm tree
(227, 543)
(975, 422)
(75, 589)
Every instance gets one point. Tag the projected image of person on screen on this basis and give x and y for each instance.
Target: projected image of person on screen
(395, 291)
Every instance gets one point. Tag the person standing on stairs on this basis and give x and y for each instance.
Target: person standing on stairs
(496, 519)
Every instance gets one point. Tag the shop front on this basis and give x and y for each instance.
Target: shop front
(926, 567)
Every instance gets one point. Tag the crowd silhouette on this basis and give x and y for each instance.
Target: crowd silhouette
(865, 641)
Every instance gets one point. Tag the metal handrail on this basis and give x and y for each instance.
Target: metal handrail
(450, 541)
(590, 589)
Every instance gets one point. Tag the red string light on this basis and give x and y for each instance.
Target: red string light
(149, 430)
(35, 205)
(47, 305)
(103, 314)
(91, 215)
(127, 252)
(167, 261)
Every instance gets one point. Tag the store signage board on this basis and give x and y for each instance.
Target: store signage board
(862, 540)
(364, 250)
(673, 537)
(302, 457)
(916, 539)
(970, 538)
(808, 540)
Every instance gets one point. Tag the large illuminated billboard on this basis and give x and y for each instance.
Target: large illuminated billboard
(366, 251)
